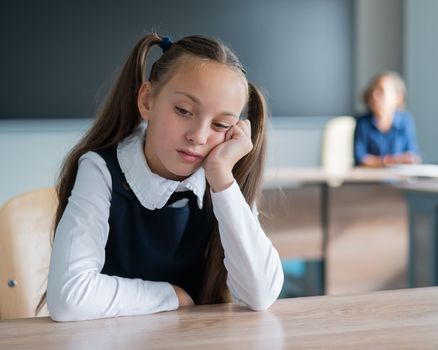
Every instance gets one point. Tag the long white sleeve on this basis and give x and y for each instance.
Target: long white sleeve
(76, 288)
(255, 275)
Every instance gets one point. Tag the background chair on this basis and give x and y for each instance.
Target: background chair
(26, 223)
(338, 145)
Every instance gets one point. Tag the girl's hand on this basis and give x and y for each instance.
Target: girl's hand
(184, 298)
(220, 162)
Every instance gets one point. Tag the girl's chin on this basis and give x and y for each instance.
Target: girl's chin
(181, 174)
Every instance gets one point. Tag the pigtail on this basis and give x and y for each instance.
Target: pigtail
(118, 118)
(214, 289)
(248, 174)
(248, 171)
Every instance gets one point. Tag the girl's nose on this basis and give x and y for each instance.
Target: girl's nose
(198, 134)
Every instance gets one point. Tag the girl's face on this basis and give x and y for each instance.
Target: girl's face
(385, 98)
(190, 115)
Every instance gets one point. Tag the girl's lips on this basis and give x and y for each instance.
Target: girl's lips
(189, 157)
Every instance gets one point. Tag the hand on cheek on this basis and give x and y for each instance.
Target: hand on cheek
(220, 162)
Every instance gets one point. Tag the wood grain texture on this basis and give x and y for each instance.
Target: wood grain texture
(401, 319)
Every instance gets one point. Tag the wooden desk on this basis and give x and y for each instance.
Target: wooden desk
(392, 319)
(286, 177)
(401, 175)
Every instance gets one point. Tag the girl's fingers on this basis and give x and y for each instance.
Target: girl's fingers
(243, 127)
(229, 134)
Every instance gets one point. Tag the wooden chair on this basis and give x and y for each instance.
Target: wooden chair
(26, 223)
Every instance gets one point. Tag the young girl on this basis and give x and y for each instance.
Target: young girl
(386, 134)
(154, 218)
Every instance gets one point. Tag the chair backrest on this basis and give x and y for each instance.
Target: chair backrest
(337, 145)
(26, 223)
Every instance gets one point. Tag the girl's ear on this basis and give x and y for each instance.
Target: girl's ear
(144, 100)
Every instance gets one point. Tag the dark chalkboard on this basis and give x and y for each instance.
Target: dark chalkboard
(58, 58)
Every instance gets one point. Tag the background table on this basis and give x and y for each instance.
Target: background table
(398, 319)
(409, 178)
(422, 200)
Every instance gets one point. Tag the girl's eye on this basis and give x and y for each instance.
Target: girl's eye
(221, 126)
(182, 111)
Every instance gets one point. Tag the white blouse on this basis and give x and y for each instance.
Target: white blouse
(77, 290)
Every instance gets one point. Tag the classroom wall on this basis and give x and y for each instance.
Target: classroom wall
(31, 152)
(378, 44)
(421, 71)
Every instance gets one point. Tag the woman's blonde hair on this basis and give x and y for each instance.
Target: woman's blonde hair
(119, 116)
(399, 84)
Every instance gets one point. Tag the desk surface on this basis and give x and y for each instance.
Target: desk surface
(284, 176)
(429, 186)
(392, 319)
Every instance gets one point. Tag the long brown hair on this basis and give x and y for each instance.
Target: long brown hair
(119, 116)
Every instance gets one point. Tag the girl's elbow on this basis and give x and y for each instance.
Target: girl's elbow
(60, 315)
(267, 293)
(64, 307)
(261, 305)
(264, 299)
(59, 309)
(62, 310)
